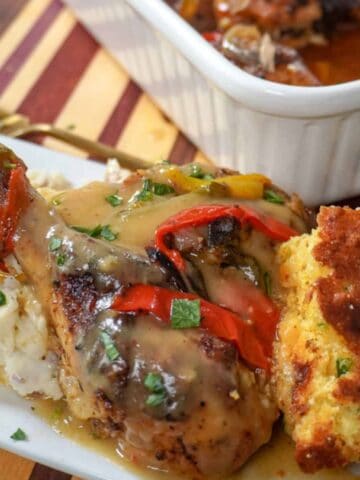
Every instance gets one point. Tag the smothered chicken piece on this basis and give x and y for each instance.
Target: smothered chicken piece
(317, 362)
(176, 399)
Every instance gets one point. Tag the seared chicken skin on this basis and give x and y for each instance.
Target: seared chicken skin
(175, 399)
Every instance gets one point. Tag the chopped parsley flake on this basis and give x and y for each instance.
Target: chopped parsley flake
(2, 298)
(155, 399)
(114, 200)
(71, 126)
(197, 172)
(145, 194)
(268, 284)
(19, 435)
(343, 366)
(110, 349)
(185, 313)
(54, 244)
(273, 197)
(92, 232)
(107, 234)
(60, 260)
(150, 188)
(154, 383)
(100, 231)
(162, 189)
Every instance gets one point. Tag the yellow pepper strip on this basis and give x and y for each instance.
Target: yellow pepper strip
(244, 186)
(237, 186)
(185, 184)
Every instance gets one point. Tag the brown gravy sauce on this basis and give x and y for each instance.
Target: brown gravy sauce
(274, 461)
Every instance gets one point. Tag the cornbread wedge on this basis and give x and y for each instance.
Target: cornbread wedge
(317, 355)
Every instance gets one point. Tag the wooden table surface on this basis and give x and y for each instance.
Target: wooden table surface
(52, 70)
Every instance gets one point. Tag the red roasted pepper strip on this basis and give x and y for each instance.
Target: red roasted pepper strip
(204, 214)
(256, 350)
(15, 202)
(3, 267)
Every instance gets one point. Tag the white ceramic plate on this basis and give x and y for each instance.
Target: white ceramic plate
(44, 445)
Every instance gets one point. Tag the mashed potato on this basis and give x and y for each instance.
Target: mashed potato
(26, 363)
(28, 366)
(318, 351)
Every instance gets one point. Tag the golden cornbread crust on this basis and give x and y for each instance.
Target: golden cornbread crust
(339, 293)
(317, 353)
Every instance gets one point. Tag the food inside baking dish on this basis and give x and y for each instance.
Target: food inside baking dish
(296, 42)
(150, 308)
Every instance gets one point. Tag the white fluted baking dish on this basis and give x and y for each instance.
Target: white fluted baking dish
(306, 138)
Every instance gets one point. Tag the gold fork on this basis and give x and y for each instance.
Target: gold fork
(18, 126)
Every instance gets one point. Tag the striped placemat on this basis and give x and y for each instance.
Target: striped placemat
(52, 70)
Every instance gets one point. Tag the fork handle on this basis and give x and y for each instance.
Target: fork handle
(97, 149)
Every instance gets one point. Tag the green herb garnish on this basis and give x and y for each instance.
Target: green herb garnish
(107, 234)
(343, 366)
(2, 298)
(102, 231)
(54, 244)
(19, 435)
(185, 313)
(9, 165)
(145, 194)
(71, 126)
(273, 197)
(162, 189)
(267, 284)
(114, 200)
(150, 188)
(92, 232)
(60, 260)
(197, 172)
(154, 383)
(155, 399)
(110, 349)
